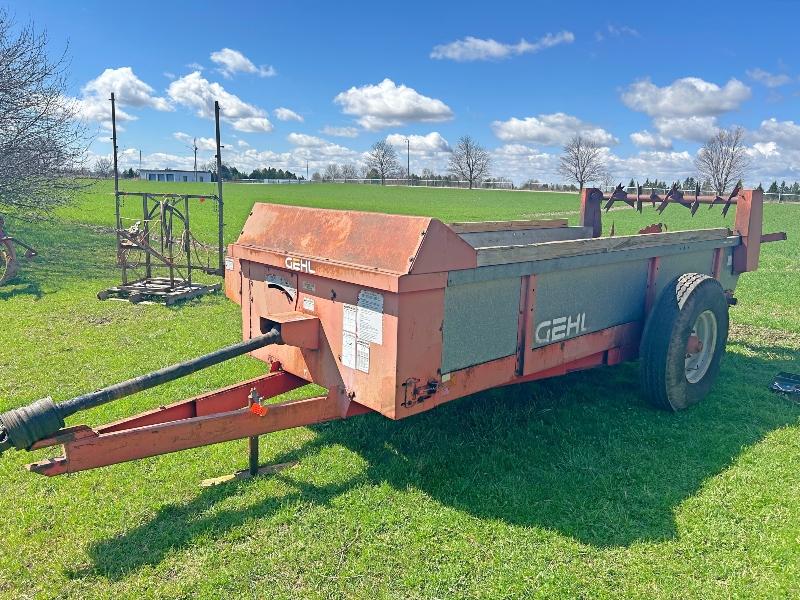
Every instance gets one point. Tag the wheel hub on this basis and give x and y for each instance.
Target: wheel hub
(700, 346)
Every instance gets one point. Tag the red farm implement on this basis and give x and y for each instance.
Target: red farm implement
(399, 314)
(9, 260)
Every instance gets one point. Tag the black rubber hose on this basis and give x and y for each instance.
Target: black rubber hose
(22, 427)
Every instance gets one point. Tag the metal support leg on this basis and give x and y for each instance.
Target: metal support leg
(253, 463)
(253, 446)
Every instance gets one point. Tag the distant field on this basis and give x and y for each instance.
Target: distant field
(569, 488)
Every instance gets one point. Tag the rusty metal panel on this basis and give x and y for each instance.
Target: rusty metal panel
(580, 301)
(480, 322)
(370, 240)
(678, 264)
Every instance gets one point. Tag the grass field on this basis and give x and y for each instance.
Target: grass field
(571, 487)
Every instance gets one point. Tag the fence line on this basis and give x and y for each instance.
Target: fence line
(500, 185)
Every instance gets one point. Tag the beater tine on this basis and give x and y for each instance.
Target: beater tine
(725, 208)
(638, 197)
(696, 203)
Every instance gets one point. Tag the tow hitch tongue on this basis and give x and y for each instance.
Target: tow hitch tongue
(20, 428)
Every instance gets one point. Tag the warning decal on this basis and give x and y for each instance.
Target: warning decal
(362, 325)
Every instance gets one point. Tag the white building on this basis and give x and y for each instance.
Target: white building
(173, 175)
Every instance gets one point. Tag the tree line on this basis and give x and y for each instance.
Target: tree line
(469, 161)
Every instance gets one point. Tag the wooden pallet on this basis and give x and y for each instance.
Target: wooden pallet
(159, 289)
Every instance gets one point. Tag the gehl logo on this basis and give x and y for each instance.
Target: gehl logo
(560, 328)
(299, 264)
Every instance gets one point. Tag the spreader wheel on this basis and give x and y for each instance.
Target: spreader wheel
(8, 262)
(683, 341)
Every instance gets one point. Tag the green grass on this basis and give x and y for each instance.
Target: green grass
(568, 487)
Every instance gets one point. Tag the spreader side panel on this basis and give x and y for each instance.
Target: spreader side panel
(575, 302)
(480, 322)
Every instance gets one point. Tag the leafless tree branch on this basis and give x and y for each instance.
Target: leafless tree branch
(581, 161)
(723, 159)
(383, 158)
(42, 144)
(469, 161)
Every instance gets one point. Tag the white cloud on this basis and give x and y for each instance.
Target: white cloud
(550, 130)
(686, 97)
(232, 61)
(668, 166)
(771, 80)
(695, 129)
(472, 48)
(348, 132)
(305, 140)
(95, 109)
(616, 31)
(196, 92)
(520, 163)
(128, 90)
(203, 143)
(783, 133)
(645, 139)
(766, 149)
(430, 151)
(168, 75)
(389, 105)
(420, 144)
(312, 148)
(286, 114)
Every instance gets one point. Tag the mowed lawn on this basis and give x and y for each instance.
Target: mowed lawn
(571, 487)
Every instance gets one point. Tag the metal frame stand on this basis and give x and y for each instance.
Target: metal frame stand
(161, 249)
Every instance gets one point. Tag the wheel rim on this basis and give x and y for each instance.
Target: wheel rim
(700, 346)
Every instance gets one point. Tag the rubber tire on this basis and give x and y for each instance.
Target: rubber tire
(663, 347)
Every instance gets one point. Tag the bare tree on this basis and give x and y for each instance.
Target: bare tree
(349, 171)
(103, 167)
(383, 158)
(332, 172)
(723, 159)
(42, 145)
(469, 161)
(581, 161)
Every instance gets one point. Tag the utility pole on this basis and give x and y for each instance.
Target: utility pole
(140, 161)
(306, 170)
(194, 147)
(408, 160)
(221, 219)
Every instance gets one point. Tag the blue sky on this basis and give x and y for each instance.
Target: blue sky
(647, 80)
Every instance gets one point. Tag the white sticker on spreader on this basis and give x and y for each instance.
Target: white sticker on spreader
(308, 304)
(349, 350)
(362, 356)
(228, 263)
(349, 318)
(370, 317)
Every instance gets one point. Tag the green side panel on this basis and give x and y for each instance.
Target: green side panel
(480, 322)
(727, 277)
(678, 264)
(574, 302)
